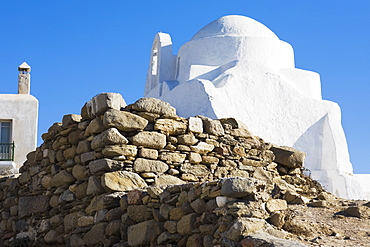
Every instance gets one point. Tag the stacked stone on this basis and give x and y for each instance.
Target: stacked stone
(72, 189)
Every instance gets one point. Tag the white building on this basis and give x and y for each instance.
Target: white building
(237, 67)
(18, 124)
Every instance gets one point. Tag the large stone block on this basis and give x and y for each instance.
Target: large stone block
(62, 178)
(146, 165)
(195, 125)
(122, 181)
(185, 226)
(149, 139)
(154, 105)
(29, 205)
(142, 234)
(101, 165)
(237, 187)
(108, 137)
(124, 121)
(105, 201)
(101, 103)
(96, 235)
(118, 150)
(170, 126)
(288, 156)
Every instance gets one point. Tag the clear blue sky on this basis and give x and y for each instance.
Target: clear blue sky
(78, 49)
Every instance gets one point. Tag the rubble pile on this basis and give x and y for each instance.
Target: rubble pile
(140, 175)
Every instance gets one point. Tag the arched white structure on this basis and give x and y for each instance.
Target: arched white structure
(237, 67)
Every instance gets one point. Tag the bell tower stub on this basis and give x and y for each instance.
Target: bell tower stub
(24, 78)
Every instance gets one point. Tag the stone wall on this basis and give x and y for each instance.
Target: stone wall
(139, 175)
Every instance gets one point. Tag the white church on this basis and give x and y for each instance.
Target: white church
(237, 67)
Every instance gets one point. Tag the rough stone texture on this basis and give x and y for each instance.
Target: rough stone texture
(149, 139)
(358, 211)
(98, 197)
(237, 187)
(168, 180)
(170, 126)
(202, 148)
(29, 205)
(122, 181)
(288, 156)
(195, 125)
(108, 137)
(62, 178)
(96, 235)
(143, 233)
(124, 121)
(276, 205)
(101, 103)
(153, 105)
(146, 165)
(125, 150)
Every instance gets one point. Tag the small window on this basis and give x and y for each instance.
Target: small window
(6, 145)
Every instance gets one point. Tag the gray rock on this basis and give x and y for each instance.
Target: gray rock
(122, 181)
(143, 233)
(237, 187)
(29, 205)
(139, 213)
(186, 224)
(149, 140)
(197, 170)
(153, 105)
(108, 137)
(94, 186)
(124, 121)
(167, 180)
(288, 156)
(170, 126)
(195, 125)
(101, 103)
(101, 165)
(70, 119)
(120, 150)
(146, 165)
(62, 178)
(95, 126)
(96, 235)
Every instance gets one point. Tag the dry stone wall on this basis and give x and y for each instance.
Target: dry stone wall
(140, 175)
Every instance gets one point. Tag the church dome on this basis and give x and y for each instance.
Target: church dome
(235, 25)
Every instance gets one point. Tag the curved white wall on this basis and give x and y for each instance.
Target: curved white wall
(248, 73)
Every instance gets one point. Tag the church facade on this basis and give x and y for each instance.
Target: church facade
(237, 67)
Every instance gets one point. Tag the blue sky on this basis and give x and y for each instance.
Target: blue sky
(78, 49)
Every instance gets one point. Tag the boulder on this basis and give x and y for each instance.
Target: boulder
(237, 187)
(149, 140)
(118, 150)
(142, 234)
(195, 125)
(146, 165)
(122, 181)
(153, 105)
(101, 103)
(288, 156)
(108, 137)
(170, 126)
(124, 121)
(164, 179)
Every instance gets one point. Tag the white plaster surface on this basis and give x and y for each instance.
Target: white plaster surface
(22, 110)
(237, 67)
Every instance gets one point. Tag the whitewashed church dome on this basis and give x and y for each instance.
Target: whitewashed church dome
(235, 25)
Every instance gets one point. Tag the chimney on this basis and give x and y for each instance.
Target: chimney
(24, 78)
